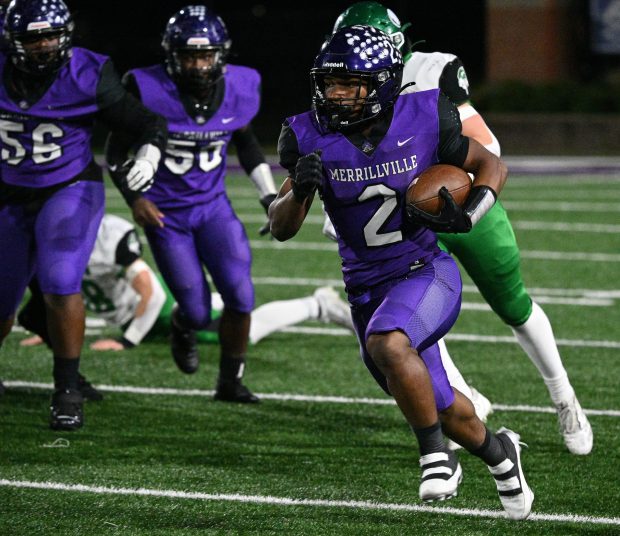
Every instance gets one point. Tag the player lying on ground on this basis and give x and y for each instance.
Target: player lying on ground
(120, 287)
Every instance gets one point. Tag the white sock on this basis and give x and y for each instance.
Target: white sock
(276, 315)
(454, 376)
(536, 338)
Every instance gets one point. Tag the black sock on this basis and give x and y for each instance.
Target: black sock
(66, 373)
(492, 451)
(430, 439)
(179, 320)
(231, 367)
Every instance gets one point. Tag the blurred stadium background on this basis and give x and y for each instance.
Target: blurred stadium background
(545, 66)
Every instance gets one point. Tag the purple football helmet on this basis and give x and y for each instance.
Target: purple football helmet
(28, 21)
(191, 30)
(363, 53)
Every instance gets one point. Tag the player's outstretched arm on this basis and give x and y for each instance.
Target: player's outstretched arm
(287, 213)
(474, 126)
(152, 299)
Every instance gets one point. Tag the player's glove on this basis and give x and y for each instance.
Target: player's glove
(451, 219)
(308, 175)
(142, 168)
(266, 201)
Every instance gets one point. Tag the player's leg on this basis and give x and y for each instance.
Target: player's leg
(325, 305)
(174, 250)
(409, 318)
(16, 237)
(490, 255)
(224, 248)
(66, 229)
(430, 296)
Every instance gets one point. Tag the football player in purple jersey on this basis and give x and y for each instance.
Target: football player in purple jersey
(187, 216)
(360, 147)
(490, 253)
(51, 190)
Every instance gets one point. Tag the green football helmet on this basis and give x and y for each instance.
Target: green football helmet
(378, 16)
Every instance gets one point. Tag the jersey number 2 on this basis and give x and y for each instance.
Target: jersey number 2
(387, 209)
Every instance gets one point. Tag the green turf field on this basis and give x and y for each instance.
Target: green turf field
(325, 452)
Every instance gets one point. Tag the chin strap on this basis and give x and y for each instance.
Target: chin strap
(479, 202)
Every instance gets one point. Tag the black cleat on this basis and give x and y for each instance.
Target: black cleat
(184, 347)
(234, 391)
(89, 392)
(66, 410)
(2, 389)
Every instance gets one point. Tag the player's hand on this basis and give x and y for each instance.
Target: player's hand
(142, 169)
(106, 345)
(35, 340)
(451, 219)
(140, 175)
(145, 213)
(265, 201)
(308, 175)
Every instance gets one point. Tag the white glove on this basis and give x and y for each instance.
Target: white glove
(140, 175)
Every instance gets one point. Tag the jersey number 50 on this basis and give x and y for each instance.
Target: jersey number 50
(180, 156)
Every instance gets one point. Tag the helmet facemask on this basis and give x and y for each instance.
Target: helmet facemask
(198, 68)
(41, 52)
(340, 109)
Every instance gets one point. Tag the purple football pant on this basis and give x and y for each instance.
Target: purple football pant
(424, 306)
(210, 235)
(56, 240)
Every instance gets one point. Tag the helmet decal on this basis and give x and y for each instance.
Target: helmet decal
(191, 31)
(366, 56)
(30, 21)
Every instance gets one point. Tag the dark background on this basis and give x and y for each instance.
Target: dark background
(277, 39)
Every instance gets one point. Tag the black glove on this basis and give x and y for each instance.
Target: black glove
(267, 200)
(308, 175)
(451, 219)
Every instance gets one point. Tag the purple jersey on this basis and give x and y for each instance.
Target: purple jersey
(49, 142)
(194, 165)
(364, 194)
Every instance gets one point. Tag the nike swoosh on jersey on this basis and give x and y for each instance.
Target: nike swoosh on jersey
(401, 143)
(226, 120)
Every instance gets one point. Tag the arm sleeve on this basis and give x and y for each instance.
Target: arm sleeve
(131, 125)
(288, 149)
(248, 149)
(454, 83)
(453, 146)
(128, 250)
(139, 327)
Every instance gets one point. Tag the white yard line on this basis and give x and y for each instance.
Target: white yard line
(526, 254)
(289, 501)
(291, 397)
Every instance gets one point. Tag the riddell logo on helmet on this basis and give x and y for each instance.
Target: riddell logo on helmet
(38, 26)
(198, 41)
(333, 64)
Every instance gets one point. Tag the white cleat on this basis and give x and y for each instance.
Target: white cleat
(332, 308)
(514, 493)
(441, 476)
(575, 427)
(483, 408)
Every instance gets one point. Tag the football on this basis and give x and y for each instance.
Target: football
(423, 192)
